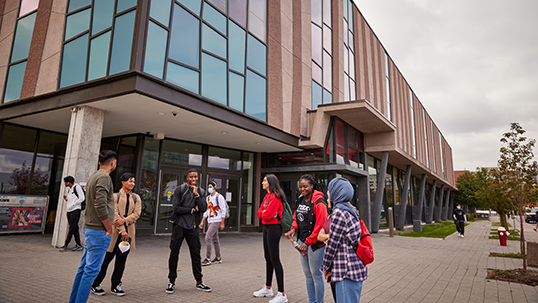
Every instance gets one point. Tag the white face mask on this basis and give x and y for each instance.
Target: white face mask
(458, 207)
(210, 190)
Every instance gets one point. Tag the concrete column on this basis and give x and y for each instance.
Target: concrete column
(451, 207)
(439, 206)
(445, 209)
(400, 222)
(431, 207)
(363, 197)
(417, 209)
(81, 161)
(378, 201)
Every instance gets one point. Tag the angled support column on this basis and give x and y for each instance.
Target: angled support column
(363, 195)
(399, 224)
(378, 201)
(445, 209)
(451, 207)
(417, 209)
(431, 207)
(439, 205)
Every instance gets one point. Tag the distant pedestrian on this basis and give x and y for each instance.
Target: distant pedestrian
(188, 205)
(74, 198)
(270, 213)
(308, 220)
(127, 211)
(98, 216)
(215, 214)
(459, 219)
(340, 261)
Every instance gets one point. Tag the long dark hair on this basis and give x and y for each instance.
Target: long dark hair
(311, 181)
(274, 187)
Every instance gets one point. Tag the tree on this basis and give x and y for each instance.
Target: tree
(468, 185)
(515, 175)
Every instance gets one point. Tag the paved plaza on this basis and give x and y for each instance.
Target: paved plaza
(405, 270)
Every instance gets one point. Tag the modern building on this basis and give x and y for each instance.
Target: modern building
(236, 89)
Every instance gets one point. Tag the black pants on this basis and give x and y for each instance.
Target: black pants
(271, 244)
(119, 267)
(193, 241)
(72, 218)
(460, 226)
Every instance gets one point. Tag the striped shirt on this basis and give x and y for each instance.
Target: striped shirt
(339, 254)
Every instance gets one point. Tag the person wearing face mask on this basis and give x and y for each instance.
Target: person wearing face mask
(215, 215)
(459, 219)
(308, 220)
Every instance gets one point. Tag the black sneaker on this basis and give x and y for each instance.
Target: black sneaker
(98, 291)
(202, 286)
(78, 248)
(63, 248)
(206, 262)
(217, 261)
(170, 288)
(118, 291)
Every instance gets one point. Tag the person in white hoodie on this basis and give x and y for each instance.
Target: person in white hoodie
(215, 215)
(74, 197)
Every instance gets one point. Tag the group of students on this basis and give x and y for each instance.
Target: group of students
(326, 242)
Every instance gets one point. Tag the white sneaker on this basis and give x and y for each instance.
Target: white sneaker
(264, 292)
(279, 298)
(461, 236)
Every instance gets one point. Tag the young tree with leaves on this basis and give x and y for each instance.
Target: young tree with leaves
(515, 176)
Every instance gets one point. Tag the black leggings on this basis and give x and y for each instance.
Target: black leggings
(271, 243)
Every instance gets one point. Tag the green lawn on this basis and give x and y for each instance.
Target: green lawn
(506, 255)
(499, 224)
(436, 230)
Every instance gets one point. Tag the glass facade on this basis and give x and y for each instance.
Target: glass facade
(321, 31)
(387, 87)
(413, 128)
(225, 59)
(98, 39)
(350, 89)
(20, 49)
(426, 138)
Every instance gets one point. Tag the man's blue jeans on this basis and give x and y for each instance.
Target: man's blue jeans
(315, 284)
(348, 291)
(97, 243)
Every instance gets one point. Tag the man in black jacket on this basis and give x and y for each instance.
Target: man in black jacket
(188, 205)
(459, 219)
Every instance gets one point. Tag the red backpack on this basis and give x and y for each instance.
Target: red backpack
(365, 249)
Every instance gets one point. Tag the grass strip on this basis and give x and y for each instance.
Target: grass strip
(499, 224)
(436, 230)
(506, 255)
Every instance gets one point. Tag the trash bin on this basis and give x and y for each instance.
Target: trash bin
(502, 235)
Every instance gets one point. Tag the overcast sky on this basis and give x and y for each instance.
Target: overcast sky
(472, 63)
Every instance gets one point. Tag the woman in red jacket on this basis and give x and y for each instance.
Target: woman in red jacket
(271, 213)
(308, 220)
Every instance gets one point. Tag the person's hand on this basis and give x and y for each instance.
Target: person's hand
(194, 189)
(119, 222)
(124, 236)
(196, 208)
(65, 197)
(290, 233)
(201, 225)
(302, 248)
(327, 275)
(221, 225)
(109, 231)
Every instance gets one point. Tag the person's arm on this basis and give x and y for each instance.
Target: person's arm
(202, 222)
(176, 200)
(101, 203)
(272, 209)
(260, 210)
(322, 236)
(320, 210)
(200, 200)
(337, 234)
(222, 212)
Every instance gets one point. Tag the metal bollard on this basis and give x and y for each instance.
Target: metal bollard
(391, 222)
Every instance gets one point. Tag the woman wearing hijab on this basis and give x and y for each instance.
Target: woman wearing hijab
(340, 261)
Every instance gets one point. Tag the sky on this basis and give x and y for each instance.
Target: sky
(473, 64)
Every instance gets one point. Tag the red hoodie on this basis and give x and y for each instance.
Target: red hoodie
(320, 211)
(269, 208)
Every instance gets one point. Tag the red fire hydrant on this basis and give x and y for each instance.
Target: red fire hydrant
(502, 235)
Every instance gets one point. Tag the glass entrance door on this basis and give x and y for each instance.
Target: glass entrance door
(229, 187)
(168, 181)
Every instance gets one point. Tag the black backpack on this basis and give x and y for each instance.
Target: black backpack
(83, 204)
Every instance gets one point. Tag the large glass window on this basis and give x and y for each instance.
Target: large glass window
(349, 53)
(224, 158)
(94, 27)
(20, 49)
(247, 196)
(321, 35)
(413, 127)
(387, 87)
(426, 138)
(345, 145)
(222, 36)
(183, 153)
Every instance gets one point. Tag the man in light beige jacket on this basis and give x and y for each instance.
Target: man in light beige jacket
(127, 207)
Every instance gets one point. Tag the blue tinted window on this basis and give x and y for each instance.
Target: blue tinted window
(216, 19)
(23, 38)
(236, 91)
(122, 42)
(15, 77)
(193, 5)
(155, 50)
(124, 4)
(160, 11)
(74, 61)
(99, 47)
(236, 47)
(103, 11)
(256, 56)
(316, 95)
(237, 11)
(327, 97)
(185, 27)
(213, 42)
(256, 95)
(76, 4)
(214, 78)
(77, 23)
(182, 76)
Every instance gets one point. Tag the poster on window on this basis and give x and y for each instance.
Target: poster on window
(22, 214)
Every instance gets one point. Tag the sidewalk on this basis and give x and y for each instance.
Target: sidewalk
(405, 270)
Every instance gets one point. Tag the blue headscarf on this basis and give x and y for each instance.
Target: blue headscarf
(341, 192)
